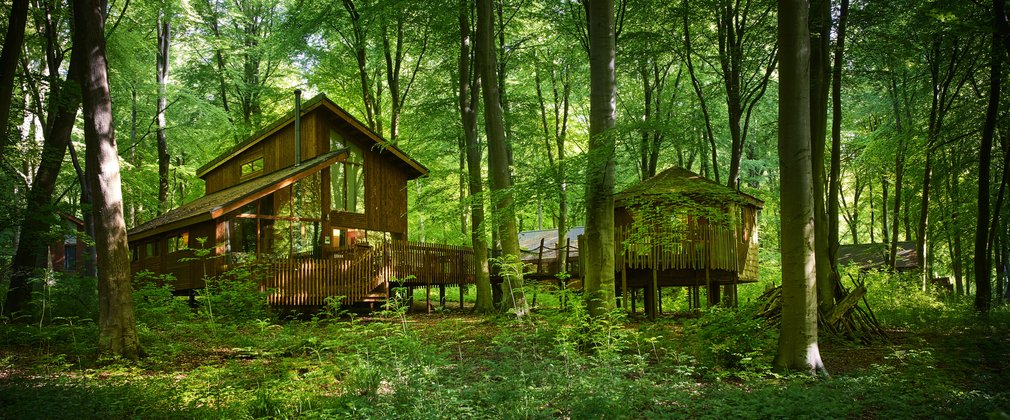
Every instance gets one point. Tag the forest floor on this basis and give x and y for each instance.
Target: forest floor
(939, 360)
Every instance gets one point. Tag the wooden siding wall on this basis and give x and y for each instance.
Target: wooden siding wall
(385, 187)
(278, 152)
(183, 265)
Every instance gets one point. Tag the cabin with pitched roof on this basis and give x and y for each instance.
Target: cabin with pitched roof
(317, 199)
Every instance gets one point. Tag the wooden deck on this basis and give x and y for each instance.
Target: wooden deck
(357, 272)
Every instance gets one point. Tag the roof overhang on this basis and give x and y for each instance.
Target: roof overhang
(417, 169)
(233, 198)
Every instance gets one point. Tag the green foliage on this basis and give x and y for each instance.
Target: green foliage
(234, 296)
(154, 302)
(733, 340)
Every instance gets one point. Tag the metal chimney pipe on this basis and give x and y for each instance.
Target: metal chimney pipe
(298, 127)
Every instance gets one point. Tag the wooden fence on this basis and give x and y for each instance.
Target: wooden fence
(355, 272)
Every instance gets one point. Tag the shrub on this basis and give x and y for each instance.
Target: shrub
(153, 300)
(235, 296)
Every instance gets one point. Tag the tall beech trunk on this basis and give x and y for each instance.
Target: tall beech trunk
(599, 236)
(9, 58)
(696, 84)
(31, 249)
(164, 38)
(468, 101)
(834, 179)
(942, 76)
(820, 28)
(736, 27)
(117, 326)
(554, 144)
(899, 172)
(797, 346)
(501, 179)
(982, 266)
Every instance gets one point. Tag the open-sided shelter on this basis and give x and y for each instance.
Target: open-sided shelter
(680, 229)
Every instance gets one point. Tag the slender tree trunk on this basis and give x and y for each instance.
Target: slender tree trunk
(797, 347)
(899, 171)
(834, 180)
(696, 84)
(9, 58)
(873, 223)
(468, 114)
(820, 28)
(883, 217)
(31, 249)
(982, 266)
(164, 40)
(117, 327)
(501, 180)
(599, 236)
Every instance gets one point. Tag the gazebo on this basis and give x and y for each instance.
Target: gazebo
(680, 229)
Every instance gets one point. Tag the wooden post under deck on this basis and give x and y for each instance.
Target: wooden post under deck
(654, 289)
(624, 286)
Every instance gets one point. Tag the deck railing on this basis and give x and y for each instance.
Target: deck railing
(692, 247)
(355, 272)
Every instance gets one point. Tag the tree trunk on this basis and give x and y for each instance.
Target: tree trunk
(834, 180)
(599, 236)
(9, 58)
(696, 84)
(982, 267)
(468, 101)
(820, 27)
(899, 171)
(117, 327)
(797, 347)
(501, 180)
(164, 38)
(31, 249)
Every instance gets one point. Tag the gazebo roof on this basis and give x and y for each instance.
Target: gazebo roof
(680, 181)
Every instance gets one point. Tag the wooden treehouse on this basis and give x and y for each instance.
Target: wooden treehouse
(317, 201)
(676, 229)
(679, 229)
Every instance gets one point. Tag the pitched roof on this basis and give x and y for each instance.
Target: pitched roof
(869, 256)
(319, 101)
(677, 180)
(218, 203)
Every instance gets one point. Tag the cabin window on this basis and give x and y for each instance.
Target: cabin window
(134, 253)
(70, 257)
(150, 249)
(347, 182)
(178, 243)
(252, 167)
(243, 235)
(307, 197)
(343, 237)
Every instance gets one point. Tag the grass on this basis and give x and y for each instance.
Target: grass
(941, 361)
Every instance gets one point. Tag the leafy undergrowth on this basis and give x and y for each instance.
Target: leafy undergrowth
(454, 364)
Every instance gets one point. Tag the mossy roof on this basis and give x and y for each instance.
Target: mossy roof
(217, 203)
(677, 181)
